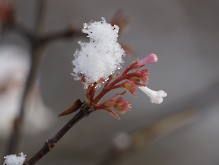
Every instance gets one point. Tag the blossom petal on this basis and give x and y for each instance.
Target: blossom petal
(155, 96)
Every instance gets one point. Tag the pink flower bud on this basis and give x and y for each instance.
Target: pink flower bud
(155, 96)
(149, 59)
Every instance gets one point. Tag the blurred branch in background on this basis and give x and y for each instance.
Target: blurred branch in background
(68, 32)
(126, 144)
(37, 41)
(35, 53)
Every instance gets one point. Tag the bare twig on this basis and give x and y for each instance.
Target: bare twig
(51, 143)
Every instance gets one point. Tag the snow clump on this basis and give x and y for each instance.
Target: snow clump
(14, 160)
(101, 56)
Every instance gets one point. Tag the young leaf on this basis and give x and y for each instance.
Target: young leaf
(74, 107)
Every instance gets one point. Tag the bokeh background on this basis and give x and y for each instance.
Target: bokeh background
(185, 36)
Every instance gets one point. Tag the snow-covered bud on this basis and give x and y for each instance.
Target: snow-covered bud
(96, 62)
(101, 56)
(149, 59)
(130, 86)
(155, 96)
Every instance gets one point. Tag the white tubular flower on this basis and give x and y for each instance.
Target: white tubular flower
(155, 96)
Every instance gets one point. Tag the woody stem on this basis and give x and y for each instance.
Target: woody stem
(51, 143)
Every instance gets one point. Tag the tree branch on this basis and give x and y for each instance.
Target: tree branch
(51, 143)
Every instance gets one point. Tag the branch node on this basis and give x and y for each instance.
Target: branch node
(86, 109)
(50, 144)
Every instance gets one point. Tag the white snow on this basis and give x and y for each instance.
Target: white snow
(101, 56)
(14, 160)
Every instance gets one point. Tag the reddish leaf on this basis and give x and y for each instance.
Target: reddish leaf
(74, 107)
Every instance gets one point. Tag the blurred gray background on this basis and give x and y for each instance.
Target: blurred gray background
(185, 36)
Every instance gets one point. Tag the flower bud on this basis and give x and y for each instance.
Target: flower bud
(149, 59)
(110, 103)
(122, 106)
(130, 86)
(142, 75)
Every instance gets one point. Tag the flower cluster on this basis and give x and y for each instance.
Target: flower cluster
(96, 63)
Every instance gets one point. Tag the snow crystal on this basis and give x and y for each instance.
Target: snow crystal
(14, 160)
(101, 56)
